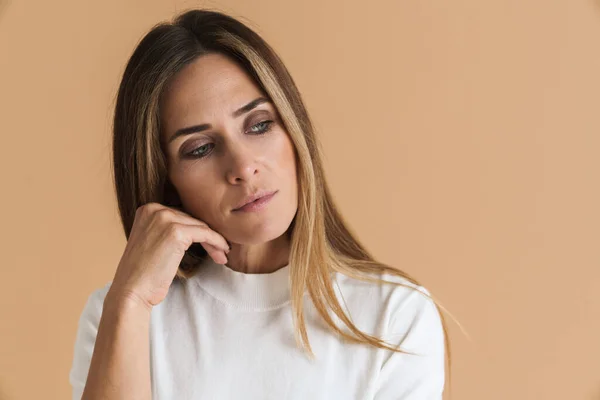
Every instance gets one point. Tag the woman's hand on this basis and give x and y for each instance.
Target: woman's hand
(159, 238)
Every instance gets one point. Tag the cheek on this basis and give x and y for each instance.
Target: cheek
(291, 160)
(286, 154)
(288, 164)
(200, 198)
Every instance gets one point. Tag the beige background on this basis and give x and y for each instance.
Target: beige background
(462, 141)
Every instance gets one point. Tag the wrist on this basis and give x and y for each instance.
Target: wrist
(125, 301)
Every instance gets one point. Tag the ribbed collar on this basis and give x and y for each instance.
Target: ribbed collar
(251, 292)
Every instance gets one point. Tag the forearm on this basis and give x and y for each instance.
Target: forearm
(120, 365)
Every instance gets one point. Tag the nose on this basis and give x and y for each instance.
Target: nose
(241, 164)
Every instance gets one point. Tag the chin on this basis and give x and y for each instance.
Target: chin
(258, 231)
(256, 236)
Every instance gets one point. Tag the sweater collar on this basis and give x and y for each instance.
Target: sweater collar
(251, 292)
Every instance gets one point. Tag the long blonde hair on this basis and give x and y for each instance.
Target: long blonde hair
(321, 241)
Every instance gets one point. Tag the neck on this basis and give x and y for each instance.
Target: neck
(260, 258)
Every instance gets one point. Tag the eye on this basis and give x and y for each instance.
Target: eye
(204, 150)
(262, 127)
(201, 151)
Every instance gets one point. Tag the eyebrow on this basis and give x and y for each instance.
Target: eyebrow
(202, 127)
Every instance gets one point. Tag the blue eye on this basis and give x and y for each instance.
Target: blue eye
(265, 124)
(257, 129)
(198, 153)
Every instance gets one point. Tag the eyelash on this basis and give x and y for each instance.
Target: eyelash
(192, 154)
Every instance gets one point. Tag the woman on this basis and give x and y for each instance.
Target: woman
(240, 279)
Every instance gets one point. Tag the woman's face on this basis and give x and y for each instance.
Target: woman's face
(227, 155)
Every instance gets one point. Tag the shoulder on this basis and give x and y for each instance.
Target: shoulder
(393, 290)
(404, 316)
(87, 329)
(402, 308)
(92, 309)
(95, 299)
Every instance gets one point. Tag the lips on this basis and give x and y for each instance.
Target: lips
(253, 197)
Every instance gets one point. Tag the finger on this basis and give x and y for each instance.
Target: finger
(213, 237)
(204, 235)
(216, 254)
(187, 219)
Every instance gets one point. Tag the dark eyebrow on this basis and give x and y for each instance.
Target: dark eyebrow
(202, 127)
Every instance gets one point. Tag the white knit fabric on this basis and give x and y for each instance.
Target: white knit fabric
(228, 335)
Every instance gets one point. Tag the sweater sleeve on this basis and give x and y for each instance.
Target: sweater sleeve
(85, 339)
(417, 326)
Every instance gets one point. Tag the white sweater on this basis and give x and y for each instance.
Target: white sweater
(228, 335)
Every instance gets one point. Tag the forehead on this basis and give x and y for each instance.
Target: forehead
(209, 87)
